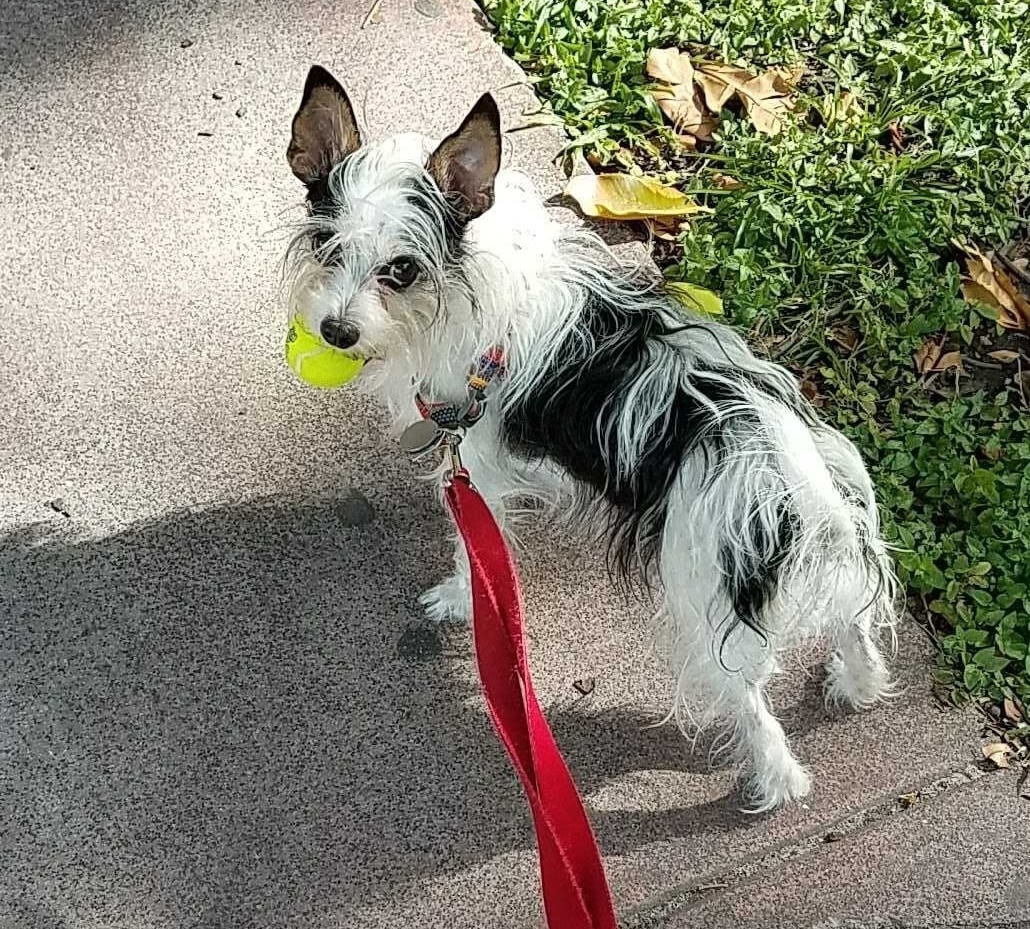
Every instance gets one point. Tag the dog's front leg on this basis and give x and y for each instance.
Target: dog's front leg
(451, 599)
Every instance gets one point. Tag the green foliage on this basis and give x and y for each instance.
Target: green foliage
(833, 226)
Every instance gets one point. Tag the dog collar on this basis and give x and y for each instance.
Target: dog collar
(443, 424)
(489, 367)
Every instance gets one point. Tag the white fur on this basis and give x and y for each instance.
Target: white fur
(526, 279)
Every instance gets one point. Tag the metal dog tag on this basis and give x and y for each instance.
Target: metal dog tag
(421, 438)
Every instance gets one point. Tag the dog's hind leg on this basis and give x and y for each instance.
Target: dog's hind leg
(857, 674)
(721, 629)
(730, 681)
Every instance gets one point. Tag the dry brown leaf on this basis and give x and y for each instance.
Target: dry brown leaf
(931, 357)
(1012, 713)
(720, 82)
(909, 799)
(991, 285)
(677, 97)
(665, 228)
(926, 356)
(1004, 355)
(726, 182)
(791, 76)
(670, 66)
(767, 102)
(997, 753)
(810, 390)
(844, 336)
(765, 96)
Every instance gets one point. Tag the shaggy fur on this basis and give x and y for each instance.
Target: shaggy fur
(713, 482)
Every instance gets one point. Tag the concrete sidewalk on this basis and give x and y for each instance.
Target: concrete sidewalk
(219, 706)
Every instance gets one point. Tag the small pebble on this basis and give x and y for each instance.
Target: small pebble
(206, 135)
(237, 62)
(241, 112)
(216, 96)
(185, 43)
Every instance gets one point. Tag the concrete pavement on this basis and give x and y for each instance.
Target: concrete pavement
(219, 706)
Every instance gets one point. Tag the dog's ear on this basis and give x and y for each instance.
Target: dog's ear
(324, 129)
(466, 162)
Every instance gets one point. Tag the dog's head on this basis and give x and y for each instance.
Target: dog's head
(383, 237)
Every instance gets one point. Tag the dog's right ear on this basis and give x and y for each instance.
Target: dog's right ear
(324, 129)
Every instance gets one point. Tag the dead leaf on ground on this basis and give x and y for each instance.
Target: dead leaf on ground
(997, 753)
(896, 133)
(667, 229)
(909, 799)
(622, 196)
(726, 182)
(810, 391)
(1004, 355)
(766, 97)
(992, 286)
(677, 97)
(932, 357)
(844, 336)
(1012, 713)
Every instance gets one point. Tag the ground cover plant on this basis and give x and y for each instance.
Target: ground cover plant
(863, 167)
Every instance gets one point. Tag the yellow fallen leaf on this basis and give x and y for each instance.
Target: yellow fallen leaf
(694, 298)
(1004, 355)
(947, 361)
(621, 196)
(1012, 713)
(997, 753)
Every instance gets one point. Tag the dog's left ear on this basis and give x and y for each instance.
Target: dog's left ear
(467, 161)
(324, 129)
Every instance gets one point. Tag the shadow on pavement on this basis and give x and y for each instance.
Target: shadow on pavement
(237, 711)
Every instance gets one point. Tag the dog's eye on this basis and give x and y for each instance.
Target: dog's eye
(398, 274)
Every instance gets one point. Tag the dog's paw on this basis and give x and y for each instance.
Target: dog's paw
(858, 685)
(776, 786)
(448, 602)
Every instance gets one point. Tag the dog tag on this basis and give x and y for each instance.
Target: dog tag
(421, 437)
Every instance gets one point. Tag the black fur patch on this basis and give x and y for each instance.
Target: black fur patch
(750, 581)
(565, 417)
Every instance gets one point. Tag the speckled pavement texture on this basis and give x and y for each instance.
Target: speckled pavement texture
(219, 706)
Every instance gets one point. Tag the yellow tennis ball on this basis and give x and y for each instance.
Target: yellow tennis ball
(315, 362)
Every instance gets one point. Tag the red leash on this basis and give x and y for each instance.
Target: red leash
(575, 889)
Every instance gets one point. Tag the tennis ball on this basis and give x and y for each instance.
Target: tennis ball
(315, 362)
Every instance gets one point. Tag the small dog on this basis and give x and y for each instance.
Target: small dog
(707, 472)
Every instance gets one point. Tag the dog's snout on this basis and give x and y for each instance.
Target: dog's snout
(339, 333)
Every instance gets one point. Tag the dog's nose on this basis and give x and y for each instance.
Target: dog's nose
(338, 333)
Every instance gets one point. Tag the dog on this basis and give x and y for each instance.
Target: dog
(713, 482)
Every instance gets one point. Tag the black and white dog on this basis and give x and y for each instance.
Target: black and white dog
(707, 472)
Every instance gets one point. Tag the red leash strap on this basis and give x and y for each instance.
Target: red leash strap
(575, 889)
